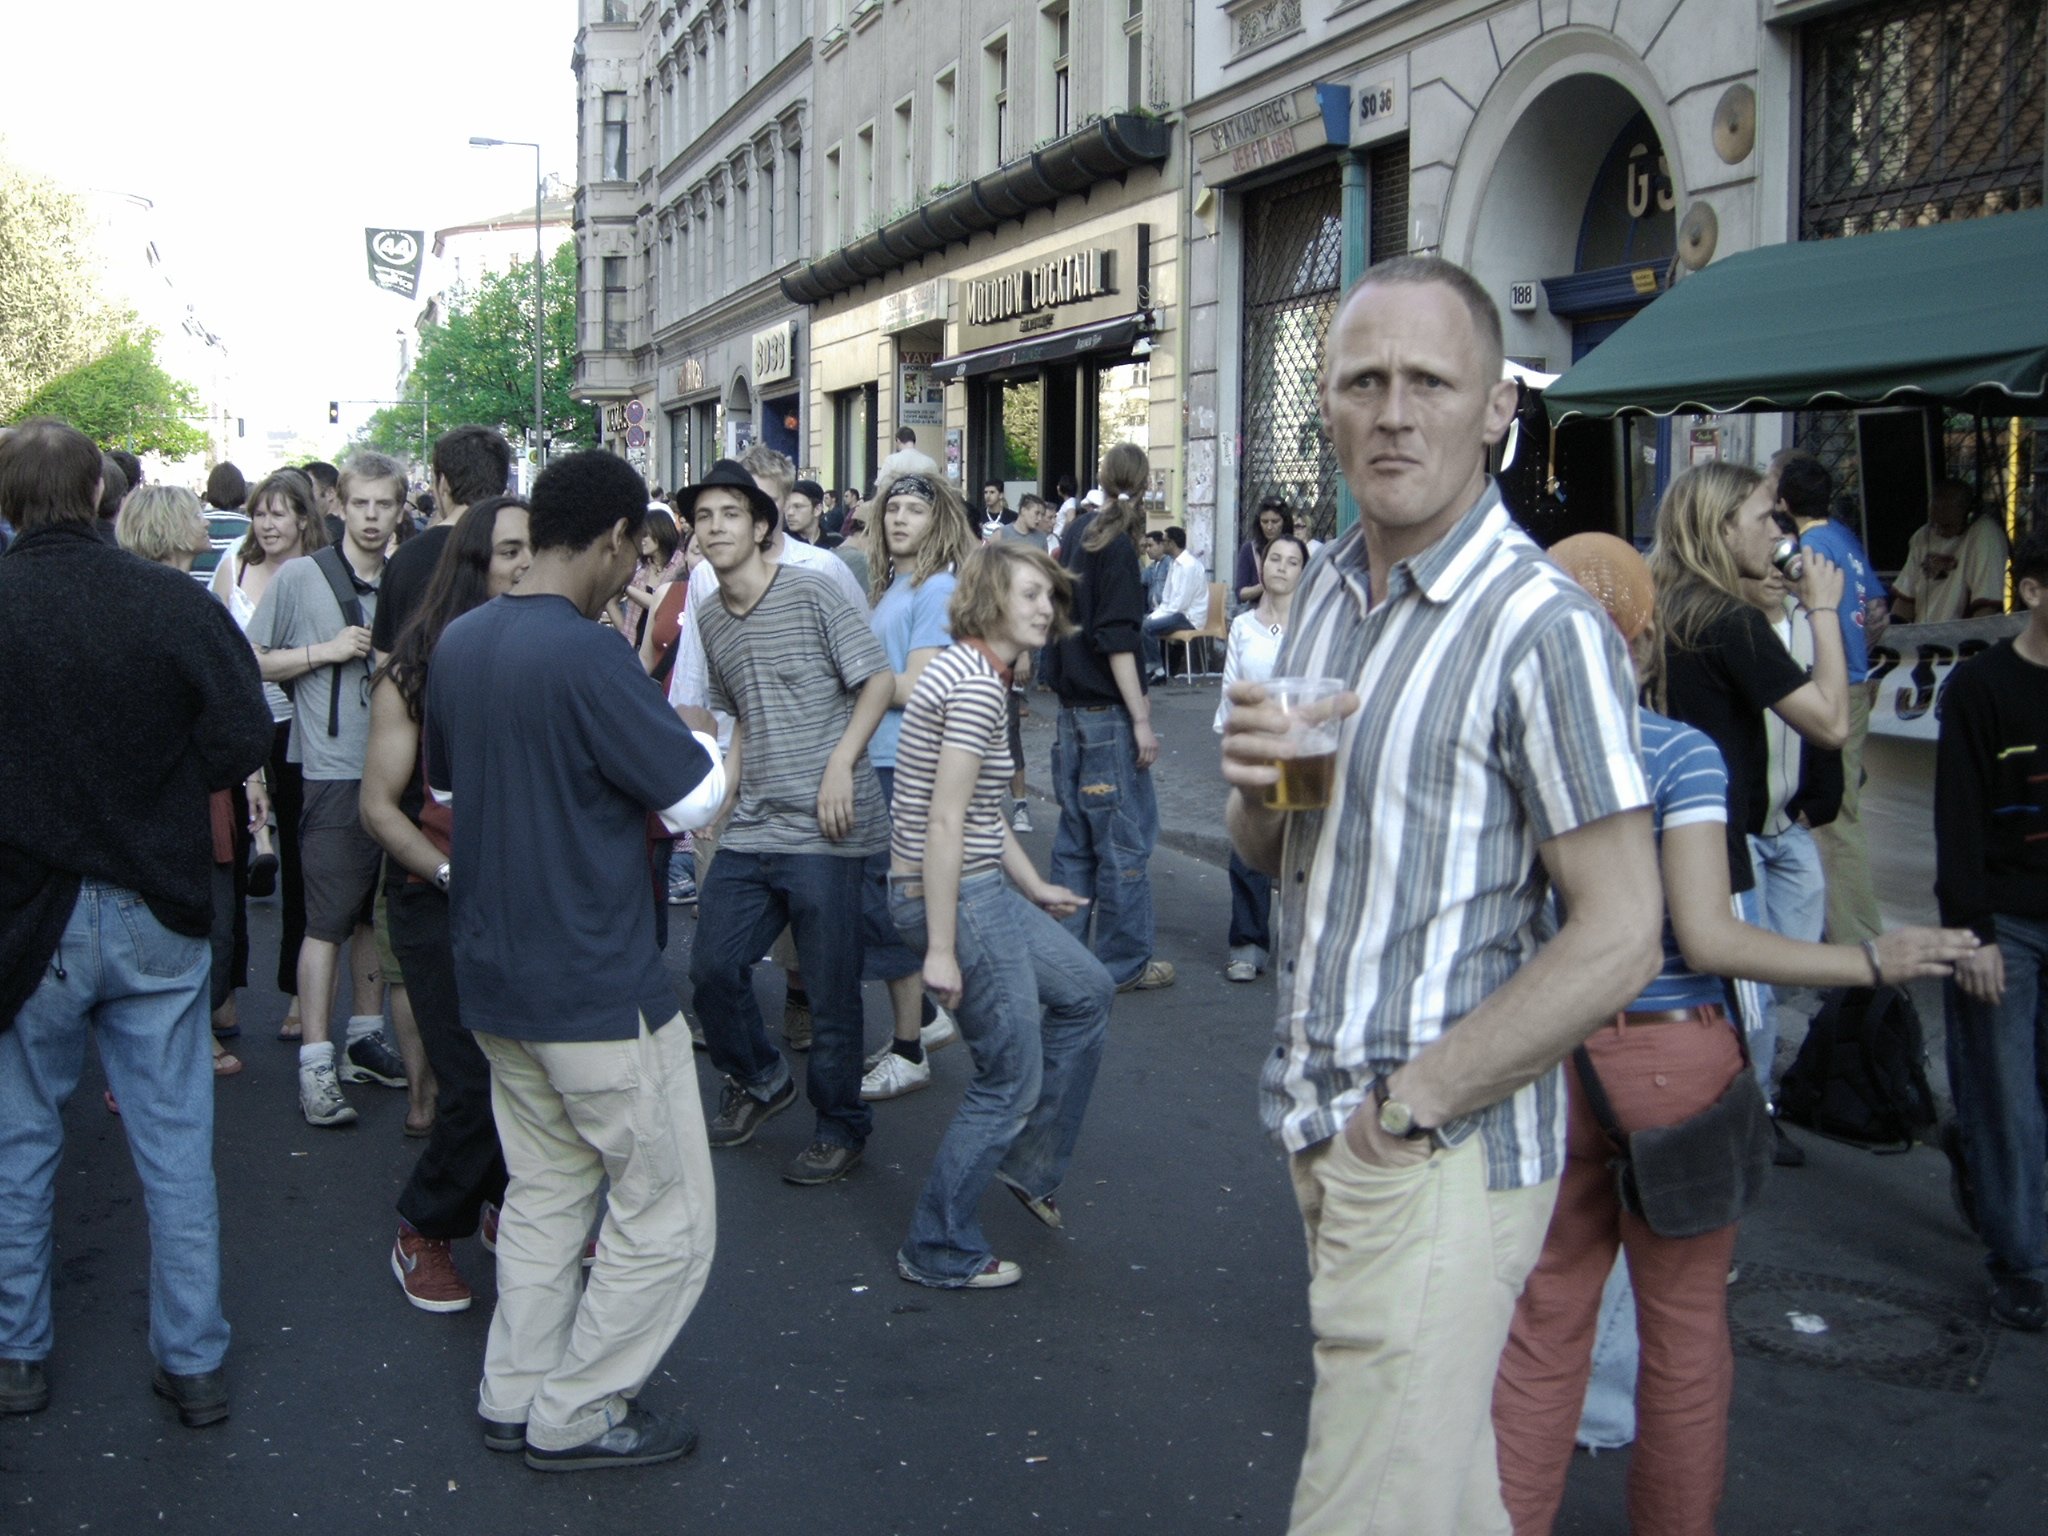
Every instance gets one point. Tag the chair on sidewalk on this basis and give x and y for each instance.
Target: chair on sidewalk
(1215, 626)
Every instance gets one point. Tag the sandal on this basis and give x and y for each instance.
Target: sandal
(226, 1063)
(291, 1029)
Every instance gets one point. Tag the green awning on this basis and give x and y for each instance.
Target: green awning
(1956, 313)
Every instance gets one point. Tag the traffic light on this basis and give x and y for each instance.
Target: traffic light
(334, 413)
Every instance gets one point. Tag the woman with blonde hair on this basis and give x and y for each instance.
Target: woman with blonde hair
(166, 524)
(284, 523)
(1032, 1002)
(1104, 738)
(919, 534)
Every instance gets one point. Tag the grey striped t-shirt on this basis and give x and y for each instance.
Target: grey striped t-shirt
(789, 671)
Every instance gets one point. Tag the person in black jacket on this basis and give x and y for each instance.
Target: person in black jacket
(129, 696)
(1991, 875)
(1103, 751)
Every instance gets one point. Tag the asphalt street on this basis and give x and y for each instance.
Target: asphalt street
(1151, 1373)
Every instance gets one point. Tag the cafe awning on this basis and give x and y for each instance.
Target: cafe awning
(1954, 313)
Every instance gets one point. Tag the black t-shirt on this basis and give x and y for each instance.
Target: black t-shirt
(556, 745)
(1735, 669)
(406, 575)
(1109, 614)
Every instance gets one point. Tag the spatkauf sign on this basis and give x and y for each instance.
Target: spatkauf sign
(1075, 286)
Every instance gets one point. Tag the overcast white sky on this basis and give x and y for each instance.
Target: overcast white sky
(269, 133)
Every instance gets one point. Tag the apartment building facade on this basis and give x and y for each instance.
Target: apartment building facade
(999, 200)
(1578, 156)
(694, 163)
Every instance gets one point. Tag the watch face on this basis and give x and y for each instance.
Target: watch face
(1396, 1119)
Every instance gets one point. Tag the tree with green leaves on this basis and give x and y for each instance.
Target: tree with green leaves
(475, 367)
(52, 316)
(124, 399)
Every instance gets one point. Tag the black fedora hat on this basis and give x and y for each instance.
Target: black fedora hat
(727, 475)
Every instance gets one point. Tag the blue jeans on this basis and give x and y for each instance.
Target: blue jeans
(142, 990)
(1155, 645)
(1998, 1072)
(884, 955)
(1109, 820)
(1034, 1007)
(1251, 912)
(747, 900)
(1608, 1420)
(1794, 896)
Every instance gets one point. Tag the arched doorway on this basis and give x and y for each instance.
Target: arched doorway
(1575, 224)
(739, 417)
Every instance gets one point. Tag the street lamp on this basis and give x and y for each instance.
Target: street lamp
(540, 187)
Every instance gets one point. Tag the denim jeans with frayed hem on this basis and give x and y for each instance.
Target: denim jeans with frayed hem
(1034, 1010)
(1997, 1064)
(747, 899)
(1109, 822)
(142, 991)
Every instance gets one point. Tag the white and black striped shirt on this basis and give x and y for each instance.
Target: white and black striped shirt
(1498, 712)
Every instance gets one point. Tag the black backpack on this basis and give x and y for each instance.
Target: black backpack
(1861, 1075)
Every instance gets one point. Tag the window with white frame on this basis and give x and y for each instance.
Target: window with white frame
(863, 178)
(613, 167)
(1056, 108)
(945, 161)
(793, 185)
(903, 152)
(771, 214)
(995, 103)
(834, 234)
(1134, 53)
(617, 326)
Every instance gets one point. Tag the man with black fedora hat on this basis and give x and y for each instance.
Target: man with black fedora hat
(791, 660)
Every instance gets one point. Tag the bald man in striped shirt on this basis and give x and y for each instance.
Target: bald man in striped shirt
(1488, 759)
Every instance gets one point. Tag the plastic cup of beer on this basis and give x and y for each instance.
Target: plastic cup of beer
(1307, 773)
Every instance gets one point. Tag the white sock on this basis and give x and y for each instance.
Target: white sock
(318, 1054)
(361, 1024)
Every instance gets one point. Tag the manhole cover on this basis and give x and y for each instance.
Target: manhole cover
(1907, 1338)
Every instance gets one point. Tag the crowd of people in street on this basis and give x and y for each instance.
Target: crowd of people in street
(1587, 841)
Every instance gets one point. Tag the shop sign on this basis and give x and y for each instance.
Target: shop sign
(1307, 118)
(920, 304)
(687, 378)
(775, 353)
(1379, 103)
(1075, 286)
(614, 420)
(921, 394)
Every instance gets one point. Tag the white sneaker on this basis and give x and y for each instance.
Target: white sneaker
(1020, 818)
(894, 1075)
(320, 1097)
(941, 1032)
(1240, 970)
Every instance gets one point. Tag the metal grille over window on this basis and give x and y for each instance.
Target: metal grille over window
(1919, 113)
(1388, 180)
(1293, 265)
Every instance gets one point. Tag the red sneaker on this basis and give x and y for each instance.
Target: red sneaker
(425, 1269)
(487, 1233)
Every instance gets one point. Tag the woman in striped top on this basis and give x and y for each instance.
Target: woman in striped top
(1030, 998)
(1670, 1055)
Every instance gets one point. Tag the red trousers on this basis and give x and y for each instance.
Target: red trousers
(1654, 1074)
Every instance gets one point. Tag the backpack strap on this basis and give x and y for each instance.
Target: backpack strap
(342, 582)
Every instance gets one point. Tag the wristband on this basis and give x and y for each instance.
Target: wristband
(1876, 970)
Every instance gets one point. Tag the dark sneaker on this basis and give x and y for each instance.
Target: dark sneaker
(263, 875)
(995, 1275)
(500, 1436)
(2019, 1302)
(200, 1400)
(796, 1024)
(1042, 1206)
(740, 1114)
(425, 1270)
(820, 1163)
(640, 1441)
(370, 1059)
(682, 889)
(24, 1386)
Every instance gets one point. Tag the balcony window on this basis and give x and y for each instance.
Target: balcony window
(617, 330)
(613, 167)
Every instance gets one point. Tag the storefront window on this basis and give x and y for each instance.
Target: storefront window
(1023, 414)
(679, 448)
(1123, 404)
(853, 438)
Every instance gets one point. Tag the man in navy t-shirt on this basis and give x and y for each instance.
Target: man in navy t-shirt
(1805, 492)
(551, 745)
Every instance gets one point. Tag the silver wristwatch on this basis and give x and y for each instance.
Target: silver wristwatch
(441, 878)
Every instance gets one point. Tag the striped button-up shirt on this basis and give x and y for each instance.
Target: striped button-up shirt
(1498, 712)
